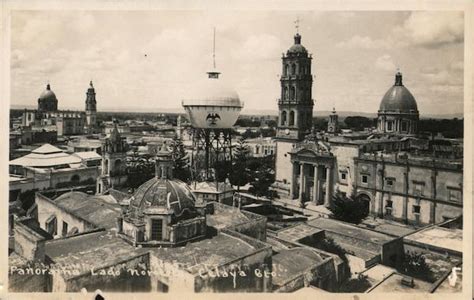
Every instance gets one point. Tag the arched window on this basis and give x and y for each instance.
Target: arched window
(106, 166)
(117, 164)
(283, 118)
(287, 70)
(286, 93)
(292, 118)
(293, 69)
(292, 93)
(404, 126)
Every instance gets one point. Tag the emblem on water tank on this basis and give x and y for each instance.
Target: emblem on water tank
(212, 118)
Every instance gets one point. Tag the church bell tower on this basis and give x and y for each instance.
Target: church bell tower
(295, 107)
(114, 162)
(91, 109)
(333, 123)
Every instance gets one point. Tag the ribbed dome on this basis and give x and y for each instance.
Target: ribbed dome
(163, 196)
(398, 98)
(47, 94)
(297, 47)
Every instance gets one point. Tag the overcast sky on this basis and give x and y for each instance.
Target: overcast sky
(355, 56)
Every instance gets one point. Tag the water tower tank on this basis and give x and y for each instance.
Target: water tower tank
(213, 104)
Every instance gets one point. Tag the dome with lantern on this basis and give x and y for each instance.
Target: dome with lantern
(297, 48)
(163, 210)
(398, 111)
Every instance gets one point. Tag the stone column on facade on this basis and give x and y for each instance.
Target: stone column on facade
(433, 197)
(301, 182)
(380, 194)
(315, 186)
(293, 181)
(405, 196)
(328, 186)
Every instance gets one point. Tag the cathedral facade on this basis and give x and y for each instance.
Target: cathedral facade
(385, 168)
(65, 122)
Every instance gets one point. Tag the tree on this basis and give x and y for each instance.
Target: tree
(262, 176)
(223, 170)
(359, 284)
(348, 209)
(181, 168)
(414, 264)
(239, 174)
(358, 122)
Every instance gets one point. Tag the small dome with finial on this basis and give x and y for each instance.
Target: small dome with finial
(297, 48)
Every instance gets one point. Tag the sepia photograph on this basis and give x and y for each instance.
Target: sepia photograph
(309, 152)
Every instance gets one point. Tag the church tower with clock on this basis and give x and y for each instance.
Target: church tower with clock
(295, 107)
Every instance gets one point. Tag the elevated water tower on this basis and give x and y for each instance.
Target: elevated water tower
(212, 110)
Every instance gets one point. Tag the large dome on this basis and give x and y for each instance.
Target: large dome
(398, 98)
(163, 196)
(47, 94)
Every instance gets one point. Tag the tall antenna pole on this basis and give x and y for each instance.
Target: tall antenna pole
(213, 74)
(214, 49)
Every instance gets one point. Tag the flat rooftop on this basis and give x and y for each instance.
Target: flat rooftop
(226, 216)
(206, 254)
(298, 232)
(440, 237)
(90, 208)
(92, 250)
(392, 284)
(378, 273)
(454, 286)
(387, 227)
(347, 229)
(294, 262)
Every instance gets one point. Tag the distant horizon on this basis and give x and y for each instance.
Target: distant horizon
(258, 112)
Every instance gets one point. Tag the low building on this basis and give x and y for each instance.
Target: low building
(301, 267)
(48, 167)
(179, 251)
(223, 216)
(399, 283)
(440, 246)
(368, 246)
(261, 147)
(75, 212)
(221, 192)
(89, 158)
(83, 144)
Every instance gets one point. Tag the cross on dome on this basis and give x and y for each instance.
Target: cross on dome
(297, 24)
